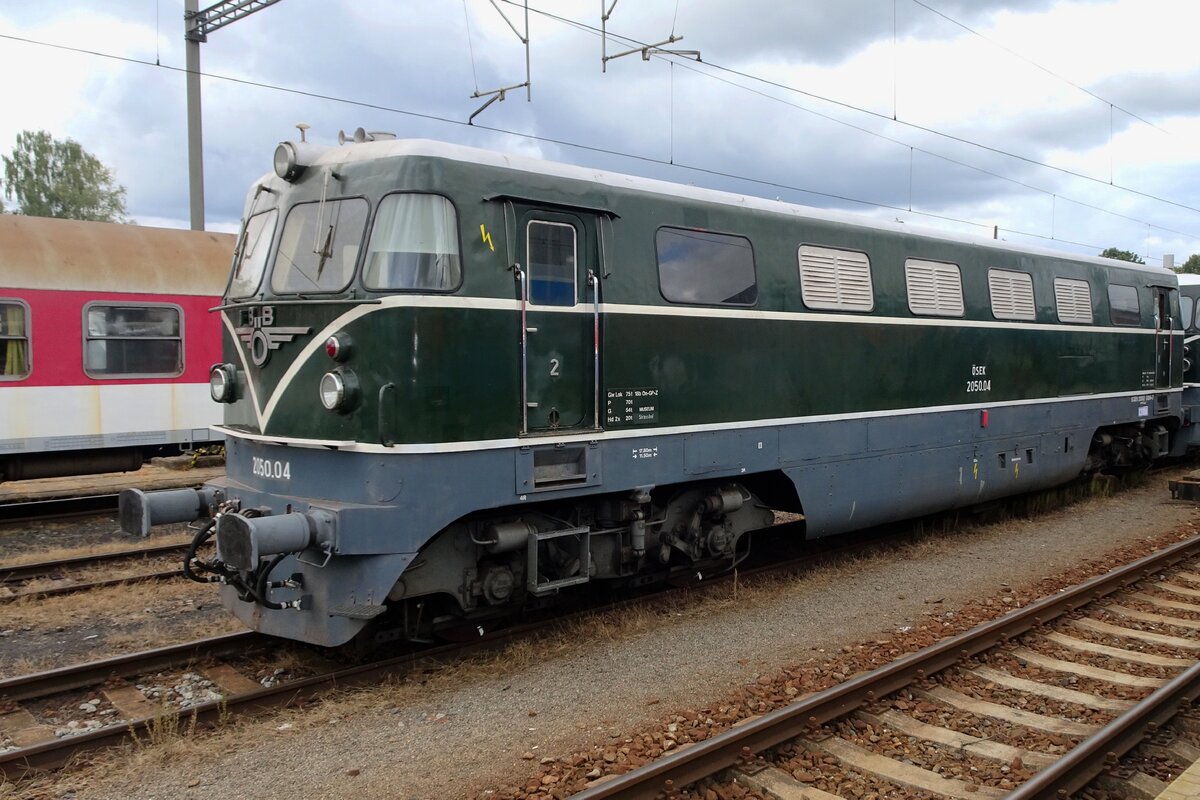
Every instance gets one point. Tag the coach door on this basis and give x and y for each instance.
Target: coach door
(559, 310)
(1163, 337)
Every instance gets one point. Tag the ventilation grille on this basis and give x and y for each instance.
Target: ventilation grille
(837, 280)
(1012, 294)
(934, 288)
(1074, 300)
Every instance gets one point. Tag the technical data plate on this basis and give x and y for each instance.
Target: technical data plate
(1185, 489)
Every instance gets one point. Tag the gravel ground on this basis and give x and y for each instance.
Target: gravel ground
(508, 724)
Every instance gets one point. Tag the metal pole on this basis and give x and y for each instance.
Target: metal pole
(195, 137)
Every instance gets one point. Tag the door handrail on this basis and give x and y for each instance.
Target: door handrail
(594, 283)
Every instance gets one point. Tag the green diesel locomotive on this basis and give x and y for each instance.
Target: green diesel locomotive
(459, 381)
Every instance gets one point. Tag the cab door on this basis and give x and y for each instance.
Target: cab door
(1163, 337)
(559, 252)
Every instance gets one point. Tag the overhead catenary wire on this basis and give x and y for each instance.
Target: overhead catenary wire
(875, 114)
(562, 142)
(1033, 63)
(470, 46)
(899, 142)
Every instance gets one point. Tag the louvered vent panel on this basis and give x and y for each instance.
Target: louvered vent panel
(837, 280)
(1074, 300)
(934, 288)
(1012, 294)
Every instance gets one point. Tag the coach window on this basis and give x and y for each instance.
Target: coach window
(934, 288)
(835, 280)
(14, 340)
(552, 257)
(414, 245)
(1185, 310)
(704, 268)
(319, 246)
(132, 341)
(1074, 301)
(1123, 305)
(252, 259)
(1012, 294)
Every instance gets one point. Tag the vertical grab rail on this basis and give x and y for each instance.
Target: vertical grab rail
(594, 283)
(519, 275)
(385, 391)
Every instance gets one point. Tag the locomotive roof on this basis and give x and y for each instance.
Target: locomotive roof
(45, 253)
(365, 151)
(1188, 279)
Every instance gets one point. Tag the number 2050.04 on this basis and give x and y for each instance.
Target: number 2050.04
(265, 468)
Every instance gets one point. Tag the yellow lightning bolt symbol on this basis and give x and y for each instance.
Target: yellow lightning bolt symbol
(487, 237)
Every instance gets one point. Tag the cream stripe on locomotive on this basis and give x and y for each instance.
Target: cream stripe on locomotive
(593, 436)
(263, 414)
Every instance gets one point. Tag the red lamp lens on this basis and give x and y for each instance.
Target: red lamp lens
(332, 347)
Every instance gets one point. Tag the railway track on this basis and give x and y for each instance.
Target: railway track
(117, 689)
(16, 578)
(57, 507)
(898, 727)
(30, 740)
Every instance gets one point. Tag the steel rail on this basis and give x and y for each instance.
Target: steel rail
(35, 569)
(726, 749)
(75, 676)
(30, 510)
(1078, 767)
(75, 588)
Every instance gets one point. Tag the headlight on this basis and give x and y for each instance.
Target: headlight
(286, 166)
(339, 390)
(222, 383)
(292, 158)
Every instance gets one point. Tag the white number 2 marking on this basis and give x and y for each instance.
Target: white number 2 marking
(554, 368)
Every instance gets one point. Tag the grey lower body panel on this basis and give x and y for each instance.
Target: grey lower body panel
(848, 473)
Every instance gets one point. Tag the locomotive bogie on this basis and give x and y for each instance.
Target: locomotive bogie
(493, 381)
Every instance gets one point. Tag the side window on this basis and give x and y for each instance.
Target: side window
(1074, 300)
(934, 288)
(552, 254)
(705, 268)
(127, 341)
(319, 246)
(14, 340)
(252, 260)
(414, 245)
(835, 280)
(1123, 305)
(1185, 310)
(1012, 294)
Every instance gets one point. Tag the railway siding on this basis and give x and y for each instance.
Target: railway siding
(859, 736)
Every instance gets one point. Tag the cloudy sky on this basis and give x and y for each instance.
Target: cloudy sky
(1069, 124)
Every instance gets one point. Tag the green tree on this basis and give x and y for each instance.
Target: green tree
(1191, 266)
(1122, 255)
(49, 177)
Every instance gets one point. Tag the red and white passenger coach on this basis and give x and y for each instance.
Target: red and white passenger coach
(105, 343)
